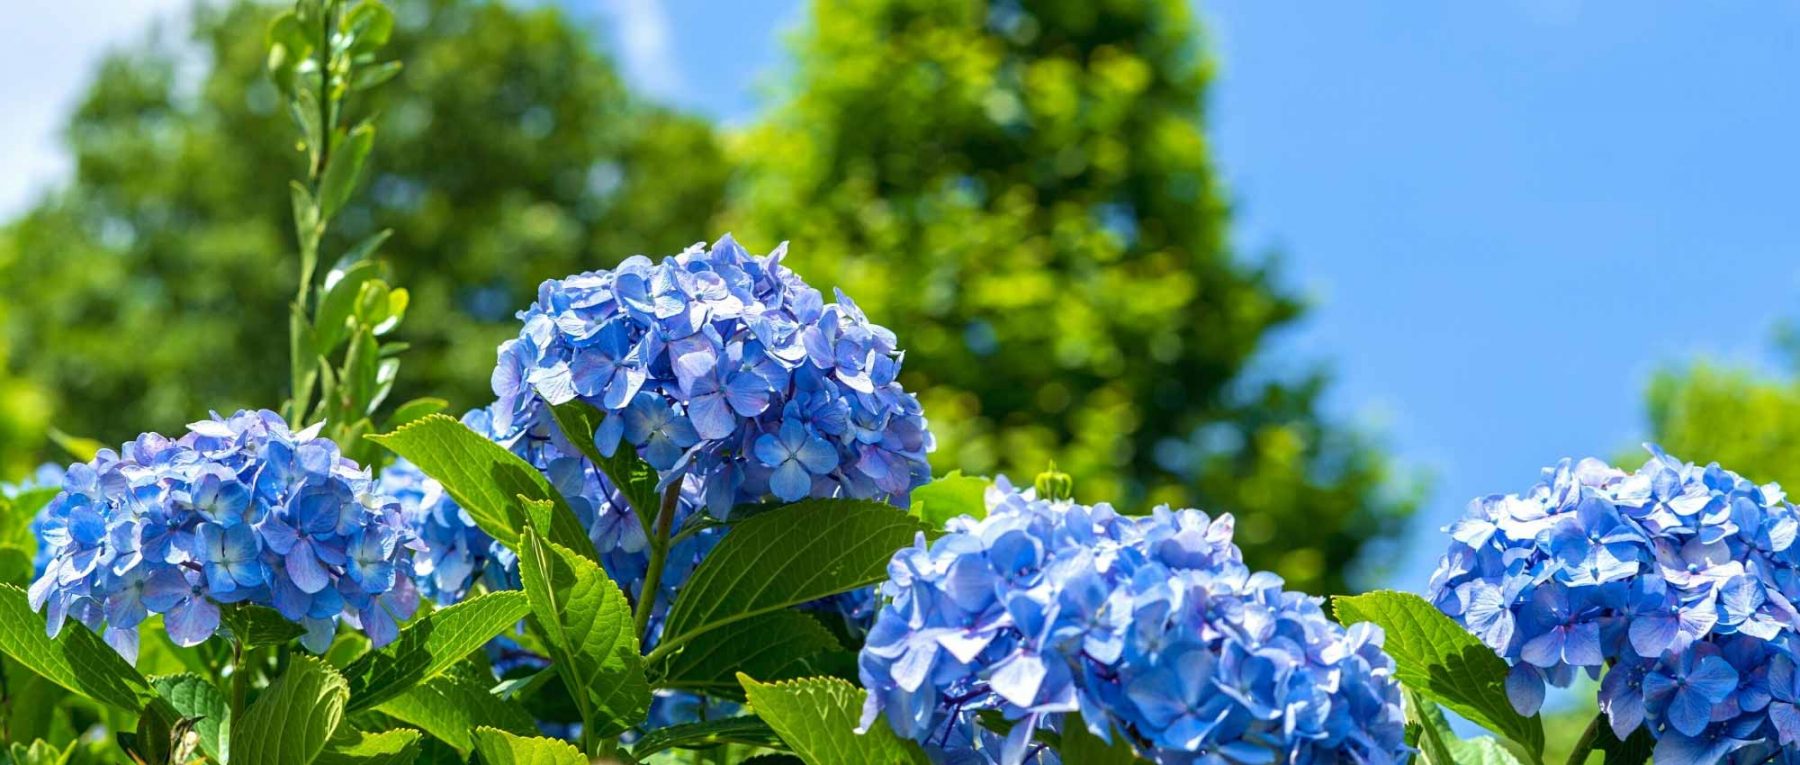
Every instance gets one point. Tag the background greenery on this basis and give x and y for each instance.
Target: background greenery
(1022, 189)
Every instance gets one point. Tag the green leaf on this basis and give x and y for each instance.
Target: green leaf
(355, 747)
(337, 302)
(41, 753)
(293, 718)
(345, 167)
(1078, 744)
(774, 646)
(370, 24)
(17, 513)
(588, 630)
(497, 747)
(785, 557)
(82, 449)
(76, 659)
(635, 478)
(158, 737)
(1441, 661)
(950, 496)
(431, 646)
(258, 626)
(449, 707)
(367, 77)
(489, 482)
(15, 565)
(415, 409)
(288, 45)
(817, 718)
(194, 696)
(1634, 750)
(777, 758)
(357, 253)
(751, 731)
(30, 706)
(307, 225)
(1439, 745)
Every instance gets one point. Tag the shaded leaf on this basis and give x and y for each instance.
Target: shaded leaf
(1078, 744)
(751, 731)
(293, 718)
(785, 557)
(773, 646)
(431, 646)
(498, 747)
(258, 626)
(449, 707)
(355, 747)
(193, 696)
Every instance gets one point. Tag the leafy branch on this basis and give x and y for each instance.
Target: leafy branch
(320, 55)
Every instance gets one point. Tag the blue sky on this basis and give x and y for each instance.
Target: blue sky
(1509, 214)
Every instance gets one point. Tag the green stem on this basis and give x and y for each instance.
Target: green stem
(240, 680)
(659, 553)
(1589, 737)
(298, 358)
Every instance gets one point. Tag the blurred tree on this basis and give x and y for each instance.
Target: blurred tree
(155, 286)
(1023, 189)
(1747, 422)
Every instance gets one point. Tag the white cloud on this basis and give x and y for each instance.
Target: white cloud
(646, 49)
(49, 49)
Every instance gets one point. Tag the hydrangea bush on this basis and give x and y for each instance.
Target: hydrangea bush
(660, 543)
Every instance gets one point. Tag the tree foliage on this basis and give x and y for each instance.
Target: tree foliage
(155, 286)
(1025, 190)
(1707, 412)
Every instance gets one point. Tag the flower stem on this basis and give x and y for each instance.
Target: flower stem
(659, 554)
(1589, 737)
(240, 680)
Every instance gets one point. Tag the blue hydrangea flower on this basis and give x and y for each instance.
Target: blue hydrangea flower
(455, 550)
(1150, 627)
(239, 509)
(724, 366)
(1676, 581)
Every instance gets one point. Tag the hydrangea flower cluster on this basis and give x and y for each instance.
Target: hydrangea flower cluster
(725, 366)
(1678, 580)
(239, 509)
(1150, 627)
(454, 551)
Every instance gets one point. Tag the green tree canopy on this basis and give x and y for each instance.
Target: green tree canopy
(1023, 189)
(1748, 422)
(155, 286)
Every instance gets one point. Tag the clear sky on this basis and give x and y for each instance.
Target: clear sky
(1507, 213)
